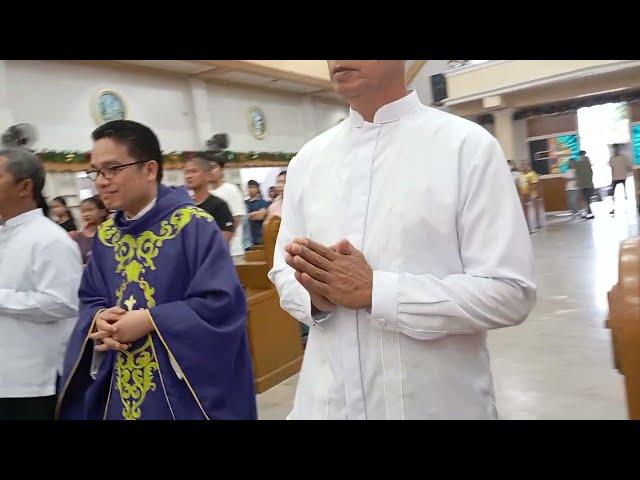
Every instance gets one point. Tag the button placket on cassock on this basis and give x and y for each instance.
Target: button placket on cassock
(364, 138)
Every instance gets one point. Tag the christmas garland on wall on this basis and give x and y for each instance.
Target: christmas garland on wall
(170, 158)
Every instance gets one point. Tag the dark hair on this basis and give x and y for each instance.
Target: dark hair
(24, 165)
(62, 201)
(97, 202)
(253, 183)
(216, 158)
(142, 144)
(201, 161)
(582, 152)
(284, 172)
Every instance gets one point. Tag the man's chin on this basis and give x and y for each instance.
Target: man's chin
(348, 90)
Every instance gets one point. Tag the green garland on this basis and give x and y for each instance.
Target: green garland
(67, 156)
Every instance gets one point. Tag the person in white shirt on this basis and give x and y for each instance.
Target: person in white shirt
(621, 168)
(399, 297)
(233, 196)
(40, 274)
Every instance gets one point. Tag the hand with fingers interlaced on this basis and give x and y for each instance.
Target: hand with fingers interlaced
(334, 276)
(117, 329)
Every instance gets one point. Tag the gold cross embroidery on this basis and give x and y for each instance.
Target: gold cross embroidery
(130, 303)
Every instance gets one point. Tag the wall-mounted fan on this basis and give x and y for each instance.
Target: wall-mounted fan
(23, 135)
(218, 143)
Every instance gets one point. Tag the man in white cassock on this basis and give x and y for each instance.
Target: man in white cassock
(402, 243)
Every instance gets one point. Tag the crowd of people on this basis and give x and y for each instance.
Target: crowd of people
(579, 186)
(240, 220)
(49, 256)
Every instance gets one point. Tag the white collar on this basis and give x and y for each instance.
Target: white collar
(390, 112)
(146, 209)
(24, 218)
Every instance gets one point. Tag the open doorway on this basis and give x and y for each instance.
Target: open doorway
(600, 128)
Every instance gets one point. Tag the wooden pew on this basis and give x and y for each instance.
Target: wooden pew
(624, 322)
(274, 336)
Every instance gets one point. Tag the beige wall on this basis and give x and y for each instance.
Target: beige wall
(55, 97)
(512, 72)
(311, 68)
(566, 90)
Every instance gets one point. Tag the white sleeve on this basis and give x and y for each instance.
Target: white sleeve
(236, 202)
(294, 298)
(96, 360)
(56, 270)
(497, 288)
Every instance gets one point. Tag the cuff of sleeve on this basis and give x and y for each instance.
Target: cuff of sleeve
(384, 298)
(316, 318)
(96, 361)
(320, 317)
(96, 357)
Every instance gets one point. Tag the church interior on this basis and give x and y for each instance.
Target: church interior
(574, 357)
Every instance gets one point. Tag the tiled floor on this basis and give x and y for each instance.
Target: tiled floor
(558, 363)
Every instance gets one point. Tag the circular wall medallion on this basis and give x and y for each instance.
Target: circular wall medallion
(257, 123)
(108, 105)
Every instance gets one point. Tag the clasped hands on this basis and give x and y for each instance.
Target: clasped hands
(118, 328)
(334, 276)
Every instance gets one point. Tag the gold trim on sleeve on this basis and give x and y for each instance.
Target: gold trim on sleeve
(176, 361)
(164, 389)
(75, 367)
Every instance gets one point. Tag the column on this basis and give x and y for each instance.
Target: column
(6, 117)
(505, 132)
(200, 108)
(309, 117)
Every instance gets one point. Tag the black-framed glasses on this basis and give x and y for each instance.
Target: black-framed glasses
(109, 172)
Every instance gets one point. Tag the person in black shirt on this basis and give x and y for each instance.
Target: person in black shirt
(62, 214)
(196, 177)
(257, 208)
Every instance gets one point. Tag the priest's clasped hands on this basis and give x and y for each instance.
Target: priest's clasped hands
(118, 328)
(333, 276)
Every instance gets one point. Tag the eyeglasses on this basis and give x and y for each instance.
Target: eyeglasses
(110, 172)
